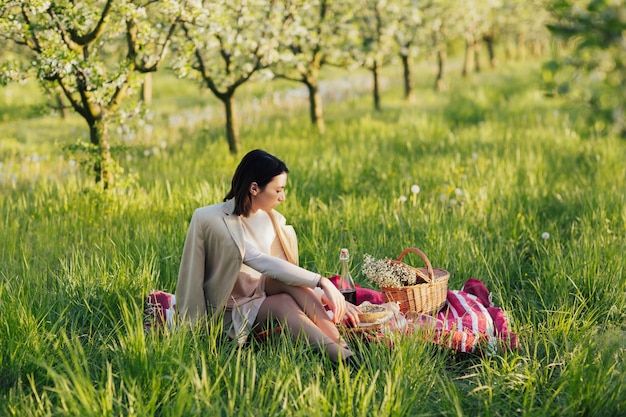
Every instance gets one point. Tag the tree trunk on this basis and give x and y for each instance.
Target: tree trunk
(315, 105)
(146, 88)
(537, 48)
(469, 54)
(521, 47)
(232, 131)
(489, 41)
(408, 79)
(103, 167)
(376, 90)
(509, 50)
(476, 56)
(441, 62)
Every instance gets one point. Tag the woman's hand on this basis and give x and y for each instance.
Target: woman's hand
(352, 314)
(335, 299)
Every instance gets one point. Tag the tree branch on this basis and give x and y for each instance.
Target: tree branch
(143, 67)
(67, 38)
(116, 99)
(224, 53)
(34, 44)
(75, 105)
(206, 77)
(131, 40)
(97, 31)
(287, 77)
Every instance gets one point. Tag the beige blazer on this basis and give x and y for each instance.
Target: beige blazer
(213, 255)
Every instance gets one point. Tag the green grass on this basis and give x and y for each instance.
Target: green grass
(75, 263)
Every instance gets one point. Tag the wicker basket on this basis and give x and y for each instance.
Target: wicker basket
(425, 298)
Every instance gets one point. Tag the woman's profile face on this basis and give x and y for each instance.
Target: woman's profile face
(269, 197)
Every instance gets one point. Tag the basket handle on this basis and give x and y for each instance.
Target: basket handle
(429, 267)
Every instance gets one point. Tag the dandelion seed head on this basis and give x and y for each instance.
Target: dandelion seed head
(415, 189)
(545, 235)
(402, 199)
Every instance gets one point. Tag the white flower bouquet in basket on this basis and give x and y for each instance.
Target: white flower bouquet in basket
(386, 273)
(418, 290)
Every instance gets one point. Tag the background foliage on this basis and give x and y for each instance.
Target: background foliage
(595, 73)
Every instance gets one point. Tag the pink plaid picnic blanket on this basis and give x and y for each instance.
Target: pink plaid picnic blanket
(469, 322)
(159, 311)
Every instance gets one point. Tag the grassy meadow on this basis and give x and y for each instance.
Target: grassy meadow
(514, 190)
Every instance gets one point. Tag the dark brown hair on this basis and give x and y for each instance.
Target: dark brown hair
(256, 166)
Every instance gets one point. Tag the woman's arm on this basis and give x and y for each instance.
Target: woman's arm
(294, 275)
(279, 268)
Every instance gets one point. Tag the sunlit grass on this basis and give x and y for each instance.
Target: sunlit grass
(511, 191)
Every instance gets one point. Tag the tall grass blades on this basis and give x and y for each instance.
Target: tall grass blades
(490, 179)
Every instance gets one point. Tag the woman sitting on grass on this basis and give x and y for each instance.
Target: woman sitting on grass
(240, 259)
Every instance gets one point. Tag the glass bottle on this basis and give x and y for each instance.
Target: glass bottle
(346, 283)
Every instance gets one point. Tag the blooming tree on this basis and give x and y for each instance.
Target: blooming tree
(92, 51)
(440, 25)
(516, 24)
(407, 36)
(474, 20)
(316, 35)
(227, 44)
(377, 21)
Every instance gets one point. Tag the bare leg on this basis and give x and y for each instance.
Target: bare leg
(284, 308)
(310, 304)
